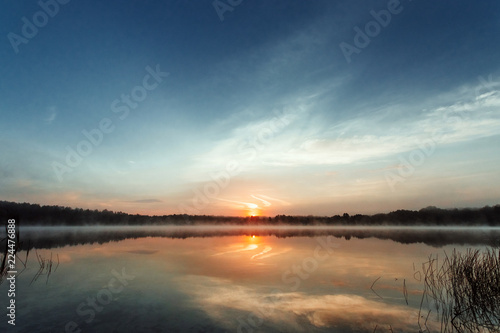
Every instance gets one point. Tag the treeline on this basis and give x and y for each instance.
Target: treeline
(429, 216)
(34, 214)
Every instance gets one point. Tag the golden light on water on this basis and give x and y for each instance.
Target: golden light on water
(253, 239)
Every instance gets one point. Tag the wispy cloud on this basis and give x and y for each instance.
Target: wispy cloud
(363, 139)
(281, 202)
(250, 247)
(51, 115)
(266, 203)
(262, 202)
(264, 251)
(287, 309)
(146, 201)
(241, 204)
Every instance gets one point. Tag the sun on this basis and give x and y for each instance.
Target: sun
(253, 239)
(253, 212)
(250, 214)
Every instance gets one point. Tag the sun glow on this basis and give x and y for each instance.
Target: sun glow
(252, 239)
(253, 212)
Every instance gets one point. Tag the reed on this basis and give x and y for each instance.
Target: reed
(7, 253)
(465, 291)
(45, 267)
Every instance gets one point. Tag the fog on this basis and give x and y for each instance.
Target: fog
(48, 237)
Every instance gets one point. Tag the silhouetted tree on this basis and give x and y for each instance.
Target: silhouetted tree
(34, 214)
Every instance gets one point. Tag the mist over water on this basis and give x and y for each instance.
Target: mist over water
(435, 236)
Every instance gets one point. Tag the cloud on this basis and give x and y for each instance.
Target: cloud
(268, 255)
(241, 204)
(254, 207)
(284, 203)
(266, 203)
(266, 249)
(361, 140)
(250, 247)
(51, 115)
(145, 201)
(291, 311)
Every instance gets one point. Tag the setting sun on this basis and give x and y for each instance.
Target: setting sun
(252, 212)
(253, 239)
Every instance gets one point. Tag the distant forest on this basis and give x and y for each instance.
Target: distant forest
(34, 214)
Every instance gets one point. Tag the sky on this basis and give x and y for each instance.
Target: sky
(240, 108)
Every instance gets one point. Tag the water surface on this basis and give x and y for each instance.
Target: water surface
(231, 279)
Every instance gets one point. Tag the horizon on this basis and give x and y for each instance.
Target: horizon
(304, 108)
(260, 216)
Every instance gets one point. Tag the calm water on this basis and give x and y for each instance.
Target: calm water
(229, 279)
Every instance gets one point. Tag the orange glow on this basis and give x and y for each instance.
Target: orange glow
(253, 212)
(253, 239)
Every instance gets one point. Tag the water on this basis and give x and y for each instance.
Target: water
(229, 279)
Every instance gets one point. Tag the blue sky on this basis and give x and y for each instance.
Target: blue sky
(260, 113)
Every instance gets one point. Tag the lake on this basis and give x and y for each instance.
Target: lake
(230, 279)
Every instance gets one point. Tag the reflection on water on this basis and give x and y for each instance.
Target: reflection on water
(231, 280)
(49, 237)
